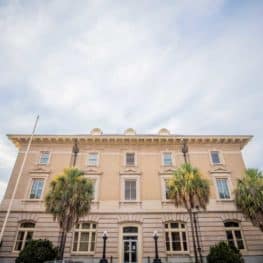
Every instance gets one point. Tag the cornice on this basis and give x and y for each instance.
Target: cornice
(111, 139)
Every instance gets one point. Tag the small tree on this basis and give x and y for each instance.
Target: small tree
(189, 189)
(249, 196)
(37, 251)
(69, 199)
(223, 253)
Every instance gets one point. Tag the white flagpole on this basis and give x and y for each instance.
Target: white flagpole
(17, 181)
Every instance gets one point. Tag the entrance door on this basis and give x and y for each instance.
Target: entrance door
(130, 249)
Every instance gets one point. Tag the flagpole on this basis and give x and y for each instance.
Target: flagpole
(17, 181)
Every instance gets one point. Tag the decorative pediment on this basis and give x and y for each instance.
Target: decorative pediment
(219, 169)
(40, 170)
(167, 170)
(92, 170)
(130, 170)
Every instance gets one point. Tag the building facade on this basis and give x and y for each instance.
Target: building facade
(129, 174)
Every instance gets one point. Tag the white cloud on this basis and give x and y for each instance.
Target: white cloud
(191, 67)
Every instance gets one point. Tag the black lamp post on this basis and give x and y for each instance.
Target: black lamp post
(155, 237)
(104, 259)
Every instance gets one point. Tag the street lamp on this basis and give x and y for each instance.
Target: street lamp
(104, 259)
(155, 237)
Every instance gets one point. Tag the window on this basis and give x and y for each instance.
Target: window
(130, 189)
(167, 159)
(130, 158)
(215, 157)
(175, 237)
(44, 157)
(222, 187)
(84, 237)
(36, 188)
(93, 159)
(233, 234)
(24, 234)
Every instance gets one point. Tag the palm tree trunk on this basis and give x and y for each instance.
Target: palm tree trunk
(193, 235)
(62, 244)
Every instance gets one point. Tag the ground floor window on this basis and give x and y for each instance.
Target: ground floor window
(234, 235)
(84, 237)
(175, 237)
(24, 234)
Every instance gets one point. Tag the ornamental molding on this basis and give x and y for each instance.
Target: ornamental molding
(175, 217)
(130, 171)
(90, 218)
(219, 169)
(92, 171)
(23, 217)
(167, 171)
(232, 216)
(130, 219)
(40, 170)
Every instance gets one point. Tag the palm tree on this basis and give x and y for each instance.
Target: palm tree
(68, 199)
(249, 196)
(187, 188)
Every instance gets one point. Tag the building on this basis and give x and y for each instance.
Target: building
(129, 172)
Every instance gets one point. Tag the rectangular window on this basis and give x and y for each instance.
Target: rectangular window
(36, 189)
(93, 159)
(130, 189)
(167, 159)
(167, 196)
(215, 157)
(84, 238)
(130, 158)
(44, 157)
(222, 187)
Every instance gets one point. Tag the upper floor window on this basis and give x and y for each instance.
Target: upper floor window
(167, 159)
(93, 159)
(36, 188)
(44, 157)
(130, 158)
(233, 234)
(24, 234)
(215, 157)
(175, 237)
(130, 189)
(222, 187)
(84, 237)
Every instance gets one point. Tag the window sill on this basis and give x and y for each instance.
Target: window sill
(82, 253)
(167, 201)
(174, 253)
(33, 200)
(225, 200)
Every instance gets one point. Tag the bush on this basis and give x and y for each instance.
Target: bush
(37, 251)
(223, 253)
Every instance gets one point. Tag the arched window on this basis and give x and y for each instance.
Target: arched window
(175, 237)
(84, 237)
(234, 234)
(24, 234)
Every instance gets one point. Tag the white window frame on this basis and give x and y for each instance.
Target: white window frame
(97, 161)
(229, 185)
(172, 159)
(31, 185)
(79, 230)
(95, 178)
(178, 230)
(232, 229)
(220, 155)
(130, 177)
(164, 178)
(40, 157)
(25, 230)
(125, 159)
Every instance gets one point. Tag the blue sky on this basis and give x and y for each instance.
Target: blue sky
(194, 67)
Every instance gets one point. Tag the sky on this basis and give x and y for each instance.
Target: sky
(194, 67)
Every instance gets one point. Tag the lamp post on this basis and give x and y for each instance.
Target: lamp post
(155, 237)
(104, 259)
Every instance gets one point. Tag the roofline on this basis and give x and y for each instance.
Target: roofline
(19, 139)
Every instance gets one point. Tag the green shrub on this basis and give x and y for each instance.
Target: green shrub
(223, 253)
(37, 251)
